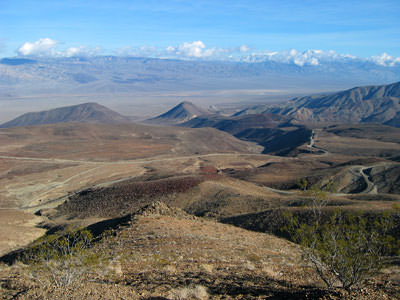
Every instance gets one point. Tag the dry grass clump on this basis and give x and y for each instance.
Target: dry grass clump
(198, 292)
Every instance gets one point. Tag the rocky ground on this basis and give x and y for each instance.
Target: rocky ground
(164, 253)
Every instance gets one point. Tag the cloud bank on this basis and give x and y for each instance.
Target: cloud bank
(386, 60)
(49, 47)
(300, 58)
(186, 51)
(42, 47)
(197, 50)
(80, 51)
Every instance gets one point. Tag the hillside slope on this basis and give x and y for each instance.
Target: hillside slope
(82, 113)
(274, 132)
(113, 142)
(234, 125)
(183, 112)
(368, 104)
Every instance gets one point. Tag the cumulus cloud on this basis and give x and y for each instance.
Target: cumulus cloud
(81, 51)
(196, 49)
(300, 58)
(386, 60)
(244, 48)
(49, 47)
(41, 47)
(186, 50)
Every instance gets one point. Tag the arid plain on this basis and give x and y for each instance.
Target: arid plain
(181, 189)
(42, 165)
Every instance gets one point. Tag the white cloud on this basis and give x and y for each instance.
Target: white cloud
(49, 47)
(80, 51)
(386, 60)
(244, 48)
(314, 61)
(41, 47)
(300, 58)
(196, 49)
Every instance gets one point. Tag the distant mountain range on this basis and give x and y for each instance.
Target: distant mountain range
(279, 129)
(82, 113)
(20, 76)
(368, 104)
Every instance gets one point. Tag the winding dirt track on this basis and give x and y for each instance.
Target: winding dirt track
(47, 190)
(93, 168)
(356, 170)
(371, 187)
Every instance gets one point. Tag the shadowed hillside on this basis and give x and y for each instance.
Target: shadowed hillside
(274, 132)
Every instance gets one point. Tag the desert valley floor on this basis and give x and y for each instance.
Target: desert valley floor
(188, 211)
(202, 177)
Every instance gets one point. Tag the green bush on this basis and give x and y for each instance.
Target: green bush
(60, 260)
(344, 248)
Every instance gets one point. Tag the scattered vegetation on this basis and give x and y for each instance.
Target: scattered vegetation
(344, 247)
(61, 260)
(125, 197)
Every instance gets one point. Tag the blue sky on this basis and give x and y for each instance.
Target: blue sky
(360, 28)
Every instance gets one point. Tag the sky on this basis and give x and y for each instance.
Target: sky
(200, 28)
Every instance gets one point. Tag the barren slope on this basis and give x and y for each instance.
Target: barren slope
(83, 113)
(109, 142)
(183, 112)
(163, 253)
(368, 104)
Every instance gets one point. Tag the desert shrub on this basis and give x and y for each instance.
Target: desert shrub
(344, 248)
(60, 260)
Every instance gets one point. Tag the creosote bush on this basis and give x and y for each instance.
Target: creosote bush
(344, 247)
(60, 260)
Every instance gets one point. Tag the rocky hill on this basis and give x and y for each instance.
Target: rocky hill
(82, 113)
(368, 104)
(181, 113)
